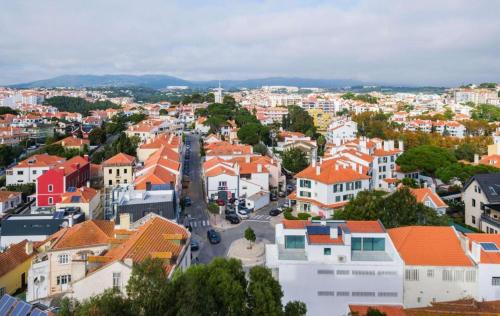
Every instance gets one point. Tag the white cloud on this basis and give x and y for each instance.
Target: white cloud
(391, 41)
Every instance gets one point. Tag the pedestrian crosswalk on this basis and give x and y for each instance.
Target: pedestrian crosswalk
(199, 223)
(261, 217)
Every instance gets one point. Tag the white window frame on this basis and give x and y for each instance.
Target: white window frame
(63, 258)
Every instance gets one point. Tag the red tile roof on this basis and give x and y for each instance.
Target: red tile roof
(389, 310)
(80, 195)
(14, 256)
(325, 239)
(43, 160)
(429, 246)
(7, 195)
(487, 256)
(294, 224)
(119, 159)
(423, 193)
(88, 233)
(329, 174)
(365, 227)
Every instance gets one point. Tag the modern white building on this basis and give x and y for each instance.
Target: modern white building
(331, 264)
(28, 170)
(340, 131)
(481, 197)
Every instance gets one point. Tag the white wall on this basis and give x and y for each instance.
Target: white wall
(213, 184)
(486, 291)
(29, 175)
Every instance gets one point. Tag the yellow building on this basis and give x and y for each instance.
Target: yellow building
(14, 265)
(118, 170)
(321, 119)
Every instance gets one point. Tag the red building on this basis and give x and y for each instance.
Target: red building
(53, 183)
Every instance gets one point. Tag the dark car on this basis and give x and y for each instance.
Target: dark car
(233, 218)
(213, 236)
(187, 201)
(275, 212)
(273, 197)
(194, 245)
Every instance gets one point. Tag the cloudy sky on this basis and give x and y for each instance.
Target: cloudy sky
(420, 42)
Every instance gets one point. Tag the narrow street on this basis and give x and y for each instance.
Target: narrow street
(199, 218)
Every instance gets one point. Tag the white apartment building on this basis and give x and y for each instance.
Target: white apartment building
(436, 268)
(326, 186)
(331, 264)
(28, 170)
(481, 197)
(475, 96)
(340, 131)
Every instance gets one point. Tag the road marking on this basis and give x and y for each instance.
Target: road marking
(205, 223)
(256, 220)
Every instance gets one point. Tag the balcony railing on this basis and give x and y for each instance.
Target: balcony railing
(291, 254)
(490, 220)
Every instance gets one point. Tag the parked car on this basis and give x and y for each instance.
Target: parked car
(285, 205)
(194, 245)
(220, 202)
(213, 236)
(233, 218)
(282, 194)
(275, 212)
(187, 201)
(243, 214)
(273, 197)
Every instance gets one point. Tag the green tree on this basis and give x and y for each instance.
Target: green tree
(250, 236)
(260, 149)
(463, 172)
(295, 308)
(321, 141)
(79, 105)
(8, 154)
(298, 120)
(264, 293)
(7, 110)
(147, 283)
(163, 112)
(426, 158)
(109, 303)
(374, 312)
(250, 134)
(465, 151)
(97, 136)
(294, 160)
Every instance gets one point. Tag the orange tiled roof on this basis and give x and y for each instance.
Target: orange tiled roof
(43, 160)
(389, 310)
(487, 256)
(14, 256)
(365, 227)
(69, 165)
(324, 239)
(329, 174)
(119, 159)
(294, 224)
(429, 246)
(422, 193)
(88, 233)
(156, 175)
(80, 195)
(73, 142)
(220, 170)
(491, 160)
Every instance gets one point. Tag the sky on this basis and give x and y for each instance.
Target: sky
(420, 42)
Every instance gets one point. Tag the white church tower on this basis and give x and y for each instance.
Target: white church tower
(218, 94)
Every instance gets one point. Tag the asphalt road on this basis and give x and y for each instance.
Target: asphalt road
(198, 217)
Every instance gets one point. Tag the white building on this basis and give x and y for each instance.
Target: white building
(340, 131)
(436, 266)
(331, 264)
(28, 170)
(481, 197)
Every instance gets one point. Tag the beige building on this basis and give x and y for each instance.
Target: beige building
(118, 170)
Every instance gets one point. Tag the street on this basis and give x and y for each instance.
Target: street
(199, 219)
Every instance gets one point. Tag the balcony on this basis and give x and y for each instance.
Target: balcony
(370, 256)
(291, 254)
(490, 220)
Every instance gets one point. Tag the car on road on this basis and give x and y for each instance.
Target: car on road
(233, 218)
(285, 205)
(243, 214)
(194, 245)
(187, 201)
(275, 212)
(273, 197)
(213, 236)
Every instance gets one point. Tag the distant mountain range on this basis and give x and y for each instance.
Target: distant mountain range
(163, 81)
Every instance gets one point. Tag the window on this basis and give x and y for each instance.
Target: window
(2, 291)
(325, 272)
(363, 272)
(447, 275)
(473, 219)
(339, 187)
(430, 273)
(20, 173)
(305, 193)
(222, 183)
(63, 279)
(343, 293)
(495, 281)
(387, 294)
(294, 242)
(358, 184)
(125, 170)
(118, 172)
(473, 203)
(125, 181)
(51, 201)
(368, 244)
(337, 198)
(356, 243)
(305, 183)
(110, 171)
(363, 293)
(411, 275)
(327, 251)
(63, 259)
(34, 171)
(117, 280)
(343, 272)
(489, 246)
(326, 293)
(50, 188)
(110, 182)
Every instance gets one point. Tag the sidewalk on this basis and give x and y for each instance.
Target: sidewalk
(249, 257)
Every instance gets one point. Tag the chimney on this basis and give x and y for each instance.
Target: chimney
(334, 232)
(88, 184)
(320, 160)
(336, 167)
(128, 261)
(360, 169)
(476, 159)
(71, 220)
(386, 145)
(353, 167)
(125, 221)
(29, 247)
(86, 157)
(247, 159)
(259, 167)
(318, 170)
(313, 162)
(401, 146)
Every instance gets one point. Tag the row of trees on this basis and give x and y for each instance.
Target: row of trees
(218, 288)
(78, 105)
(396, 209)
(360, 97)
(299, 120)
(442, 163)
(123, 144)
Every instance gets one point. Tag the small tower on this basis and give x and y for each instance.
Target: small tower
(218, 94)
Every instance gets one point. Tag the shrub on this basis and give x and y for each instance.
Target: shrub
(303, 216)
(316, 217)
(288, 215)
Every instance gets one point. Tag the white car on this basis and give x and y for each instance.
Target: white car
(243, 214)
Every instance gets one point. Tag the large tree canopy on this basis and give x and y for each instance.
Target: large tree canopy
(294, 160)
(425, 158)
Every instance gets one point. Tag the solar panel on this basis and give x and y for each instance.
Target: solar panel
(6, 304)
(489, 246)
(75, 199)
(21, 309)
(71, 189)
(38, 312)
(318, 230)
(58, 215)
